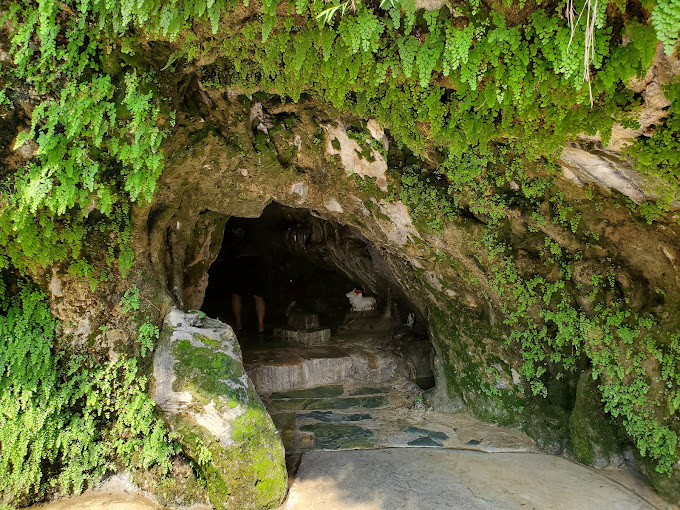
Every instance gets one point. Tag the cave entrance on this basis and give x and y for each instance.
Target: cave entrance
(319, 363)
(266, 257)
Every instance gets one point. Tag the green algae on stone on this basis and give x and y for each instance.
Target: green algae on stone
(667, 486)
(594, 440)
(223, 428)
(340, 437)
(250, 474)
(433, 434)
(546, 424)
(285, 424)
(460, 340)
(180, 488)
(424, 441)
(317, 392)
(207, 370)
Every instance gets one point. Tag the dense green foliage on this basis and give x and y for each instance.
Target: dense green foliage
(98, 145)
(64, 418)
(492, 80)
(452, 80)
(659, 156)
(493, 98)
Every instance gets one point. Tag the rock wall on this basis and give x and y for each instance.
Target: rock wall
(230, 155)
(281, 151)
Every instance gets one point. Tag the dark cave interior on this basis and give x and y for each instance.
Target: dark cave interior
(257, 258)
(299, 261)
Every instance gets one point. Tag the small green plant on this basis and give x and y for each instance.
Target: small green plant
(130, 300)
(427, 204)
(204, 456)
(148, 332)
(666, 20)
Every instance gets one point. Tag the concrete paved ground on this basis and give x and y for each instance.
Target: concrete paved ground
(436, 479)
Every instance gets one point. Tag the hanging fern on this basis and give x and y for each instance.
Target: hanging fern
(666, 21)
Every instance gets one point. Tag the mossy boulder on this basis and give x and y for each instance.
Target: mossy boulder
(595, 441)
(209, 401)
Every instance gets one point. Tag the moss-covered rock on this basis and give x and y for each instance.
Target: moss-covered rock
(595, 441)
(208, 400)
(547, 425)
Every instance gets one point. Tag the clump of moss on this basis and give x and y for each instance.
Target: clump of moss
(207, 371)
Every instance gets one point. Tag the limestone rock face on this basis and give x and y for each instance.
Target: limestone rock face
(208, 400)
(352, 155)
(605, 169)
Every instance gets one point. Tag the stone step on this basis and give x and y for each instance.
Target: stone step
(334, 397)
(370, 402)
(280, 370)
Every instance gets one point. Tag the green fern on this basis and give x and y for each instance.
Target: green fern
(666, 21)
(408, 49)
(66, 418)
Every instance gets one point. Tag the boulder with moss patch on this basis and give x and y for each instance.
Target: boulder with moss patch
(210, 402)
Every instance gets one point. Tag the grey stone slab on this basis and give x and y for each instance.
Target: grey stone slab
(329, 436)
(318, 392)
(439, 479)
(331, 417)
(433, 434)
(424, 441)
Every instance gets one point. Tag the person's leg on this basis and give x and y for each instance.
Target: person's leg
(236, 309)
(260, 307)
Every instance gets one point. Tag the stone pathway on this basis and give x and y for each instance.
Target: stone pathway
(425, 479)
(338, 418)
(356, 392)
(437, 479)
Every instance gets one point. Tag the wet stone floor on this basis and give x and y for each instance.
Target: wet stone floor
(388, 418)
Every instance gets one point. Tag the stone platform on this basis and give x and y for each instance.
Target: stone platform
(364, 351)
